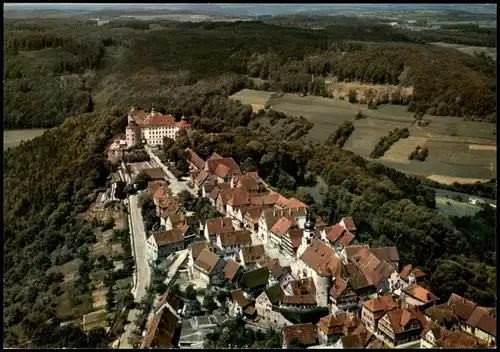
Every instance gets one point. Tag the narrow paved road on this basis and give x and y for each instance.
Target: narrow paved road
(141, 261)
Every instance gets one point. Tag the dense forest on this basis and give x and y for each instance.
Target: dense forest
(56, 68)
(96, 73)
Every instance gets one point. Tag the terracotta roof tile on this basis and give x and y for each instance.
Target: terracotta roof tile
(337, 323)
(356, 340)
(304, 332)
(381, 303)
(197, 247)
(215, 156)
(359, 282)
(250, 310)
(282, 226)
(365, 260)
(229, 166)
(277, 271)
(231, 269)
(400, 318)
(154, 185)
(300, 300)
(459, 339)
(319, 256)
(161, 192)
(202, 176)
(239, 298)
(219, 225)
(418, 273)
(195, 159)
(338, 287)
(295, 237)
(294, 203)
(351, 269)
(303, 286)
(272, 215)
(263, 199)
(382, 272)
(168, 237)
(155, 173)
(481, 320)
(334, 232)
(389, 254)
(161, 330)
(462, 307)
(253, 254)
(214, 193)
(207, 260)
(345, 239)
(349, 224)
(254, 213)
(235, 197)
(405, 272)
(233, 238)
(420, 293)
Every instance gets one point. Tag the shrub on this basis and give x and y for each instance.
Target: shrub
(386, 142)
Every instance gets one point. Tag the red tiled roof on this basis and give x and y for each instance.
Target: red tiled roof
(294, 203)
(202, 176)
(254, 213)
(155, 173)
(295, 237)
(153, 186)
(381, 303)
(408, 269)
(219, 225)
(168, 237)
(229, 166)
(462, 307)
(481, 320)
(345, 239)
(207, 260)
(304, 332)
(420, 293)
(197, 247)
(238, 237)
(161, 330)
(338, 287)
(300, 300)
(263, 199)
(334, 232)
(335, 323)
(222, 170)
(214, 156)
(389, 254)
(319, 256)
(282, 226)
(161, 192)
(303, 286)
(349, 224)
(195, 159)
(231, 269)
(459, 339)
(382, 272)
(351, 269)
(365, 260)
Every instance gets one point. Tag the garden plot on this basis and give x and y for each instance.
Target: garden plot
(400, 150)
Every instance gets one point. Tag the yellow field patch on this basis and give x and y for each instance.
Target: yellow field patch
(400, 150)
(448, 180)
(492, 148)
(99, 298)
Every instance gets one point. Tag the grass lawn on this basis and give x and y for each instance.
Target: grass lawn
(12, 138)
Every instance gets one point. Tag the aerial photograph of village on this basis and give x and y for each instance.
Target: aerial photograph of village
(249, 176)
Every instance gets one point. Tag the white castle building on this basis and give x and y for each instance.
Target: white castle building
(151, 128)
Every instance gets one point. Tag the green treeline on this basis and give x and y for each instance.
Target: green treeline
(55, 69)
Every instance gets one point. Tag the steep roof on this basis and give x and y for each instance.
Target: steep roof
(400, 318)
(319, 256)
(161, 332)
(272, 215)
(197, 247)
(201, 177)
(233, 238)
(365, 260)
(168, 237)
(303, 286)
(381, 303)
(295, 237)
(155, 173)
(462, 307)
(231, 269)
(255, 278)
(299, 300)
(239, 298)
(335, 323)
(481, 320)
(207, 260)
(420, 293)
(275, 294)
(228, 165)
(338, 287)
(254, 213)
(359, 282)
(349, 224)
(195, 159)
(356, 340)
(334, 232)
(389, 254)
(459, 339)
(345, 239)
(253, 254)
(219, 225)
(154, 185)
(277, 271)
(351, 269)
(382, 272)
(408, 269)
(282, 226)
(304, 332)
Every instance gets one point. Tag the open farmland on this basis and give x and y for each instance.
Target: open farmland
(491, 52)
(459, 150)
(249, 96)
(12, 138)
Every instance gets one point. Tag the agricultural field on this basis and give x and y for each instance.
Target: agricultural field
(492, 52)
(449, 207)
(249, 96)
(12, 138)
(459, 150)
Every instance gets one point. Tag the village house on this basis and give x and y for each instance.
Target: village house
(374, 309)
(213, 227)
(232, 271)
(332, 327)
(337, 236)
(280, 275)
(231, 242)
(348, 224)
(161, 244)
(117, 149)
(400, 326)
(163, 330)
(307, 301)
(290, 242)
(264, 303)
(414, 295)
(252, 255)
(194, 251)
(153, 186)
(167, 206)
(303, 286)
(481, 325)
(222, 168)
(199, 178)
(234, 197)
(214, 193)
(357, 340)
(410, 275)
(156, 173)
(250, 182)
(430, 334)
(280, 228)
(388, 254)
(342, 296)
(319, 262)
(461, 307)
(239, 304)
(255, 281)
(304, 334)
(152, 127)
(208, 267)
(363, 288)
(434, 336)
(251, 218)
(269, 217)
(194, 161)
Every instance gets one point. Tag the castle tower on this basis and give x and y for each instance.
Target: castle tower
(307, 235)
